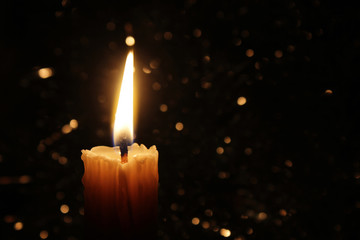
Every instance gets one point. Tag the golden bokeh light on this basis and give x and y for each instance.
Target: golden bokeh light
(195, 221)
(130, 41)
(227, 140)
(278, 54)
(250, 53)
(45, 72)
(74, 124)
(163, 107)
(241, 101)
(288, 163)
(261, 216)
(64, 209)
(66, 129)
(18, 226)
(179, 126)
(220, 150)
(225, 232)
(205, 224)
(44, 234)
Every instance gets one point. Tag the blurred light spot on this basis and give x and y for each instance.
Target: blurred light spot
(206, 85)
(239, 238)
(60, 195)
(291, 48)
(74, 124)
(9, 219)
(237, 42)
(168, 35)
(66, 129)
(179, 126)
(64, 208)
(261, 216)
(225, 232)
(257, 66)
(308, 36)
(205, 224)
(44, 234)
(337, 227)
(62, 160)
(250, 231)
(24, 179)
(328, 92)
(156, 86)
(220, 150)
(195, 221)
(249, 53)
(283, 212)
(81, 211)
(130, 41)
(241, 101)
(59, 13)
(154, 64)
(128, 27)
(278, 54)
(146, 70)
(357, 175)
(209, 212)
(216, 229)
(244, 217)
(110, 26)
(113, 46)
(41, 147)
(197, 33)
(223, 175)
(45, 72)
(64, 2)
(288, 163)
(158, 36)
(248, 151)
(227, 140)
(206, 58)
(245, 33)
(18, 226)
(181, 192)
(184, 80)
(174, 206)
(67, 219)
(163, 107)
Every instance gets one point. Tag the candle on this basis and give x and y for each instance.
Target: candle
(121, 183)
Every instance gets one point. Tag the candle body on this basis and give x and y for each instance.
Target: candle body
(121, 199)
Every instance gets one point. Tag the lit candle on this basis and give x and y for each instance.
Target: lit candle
(121, 183)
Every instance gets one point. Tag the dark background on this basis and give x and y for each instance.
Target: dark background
(292, 168)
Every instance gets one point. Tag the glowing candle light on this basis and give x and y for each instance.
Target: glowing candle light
(121, 183)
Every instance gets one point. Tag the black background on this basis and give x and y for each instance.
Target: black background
(292, 168)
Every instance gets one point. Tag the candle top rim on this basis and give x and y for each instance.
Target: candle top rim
(113, 153)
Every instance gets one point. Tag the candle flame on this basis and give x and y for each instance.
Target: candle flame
(123, 123)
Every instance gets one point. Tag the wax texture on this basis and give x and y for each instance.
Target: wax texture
(121, 199)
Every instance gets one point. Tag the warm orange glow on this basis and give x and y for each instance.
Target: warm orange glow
(179, 126)
(241, 101)
(130, 41)
(64, 209)
(74, 124)
(45, 72)
(195, 221)
(123, 123)
(44, 234)
(225, 232)
(18, 226)
(227, 140)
